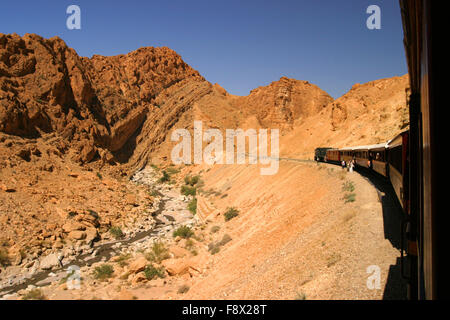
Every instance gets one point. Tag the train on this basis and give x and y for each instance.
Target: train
(388, 159)
(414, 161)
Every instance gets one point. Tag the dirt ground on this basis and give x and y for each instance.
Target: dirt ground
(312, 231)
(295, 237)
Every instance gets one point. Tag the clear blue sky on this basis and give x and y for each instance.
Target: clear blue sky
(240, 44)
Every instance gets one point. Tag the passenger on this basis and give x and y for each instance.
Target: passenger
(343, 164)
(351, 166)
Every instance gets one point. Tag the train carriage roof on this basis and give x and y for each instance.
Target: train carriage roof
(379, 146)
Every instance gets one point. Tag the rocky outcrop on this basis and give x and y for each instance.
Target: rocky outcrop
(282, 102)
(95, 103)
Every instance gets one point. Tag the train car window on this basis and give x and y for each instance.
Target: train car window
(395, 158)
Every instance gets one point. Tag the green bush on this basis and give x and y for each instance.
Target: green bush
(172, 170)
(214, 247)
(192, 206)
(183, 232)
(192, 181)
(348, 186)
(165, 177)
(225, 239)
(158, 253)
(116, 232)
(188, 190)
(151, 272)
(103, 272)
(231, 213)
(350, 197)
(123, 259)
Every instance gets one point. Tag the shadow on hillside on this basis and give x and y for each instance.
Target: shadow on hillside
(392, 220)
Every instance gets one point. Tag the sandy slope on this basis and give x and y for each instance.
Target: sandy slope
(294, 235)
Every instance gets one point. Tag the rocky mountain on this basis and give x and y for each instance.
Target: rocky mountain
(122, 108)
(369, 113)
(74, 130)
(95, 104)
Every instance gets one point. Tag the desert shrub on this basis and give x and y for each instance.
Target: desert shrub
(72, 214)
(35, 294)
(151, 272)
(348, 186)
(192, 181)
(183, 232)
(103, 272)
(333, 259)
(189, 244)
(165, 177)
(192, 206)
(4, 258)
(225, 239)
(350, 197)
(172, 170)
(99, 175)
(123, 259)
(158, 253)
(188, 190)
(215, 229)
(214, 247)
(183, 289)
(300, 296)
(116, 232)
(231, 213)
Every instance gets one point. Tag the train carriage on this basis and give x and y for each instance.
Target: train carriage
(346, 154)
(377, 157)
(333, 156)
(361, 156)
(397, 150)
(320, 154)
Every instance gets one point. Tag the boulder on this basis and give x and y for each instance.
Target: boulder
(139, 278)
(50, 261)
(77, 235)
(73, 226)
(176, 266)
(91, 234)
(137, 265)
